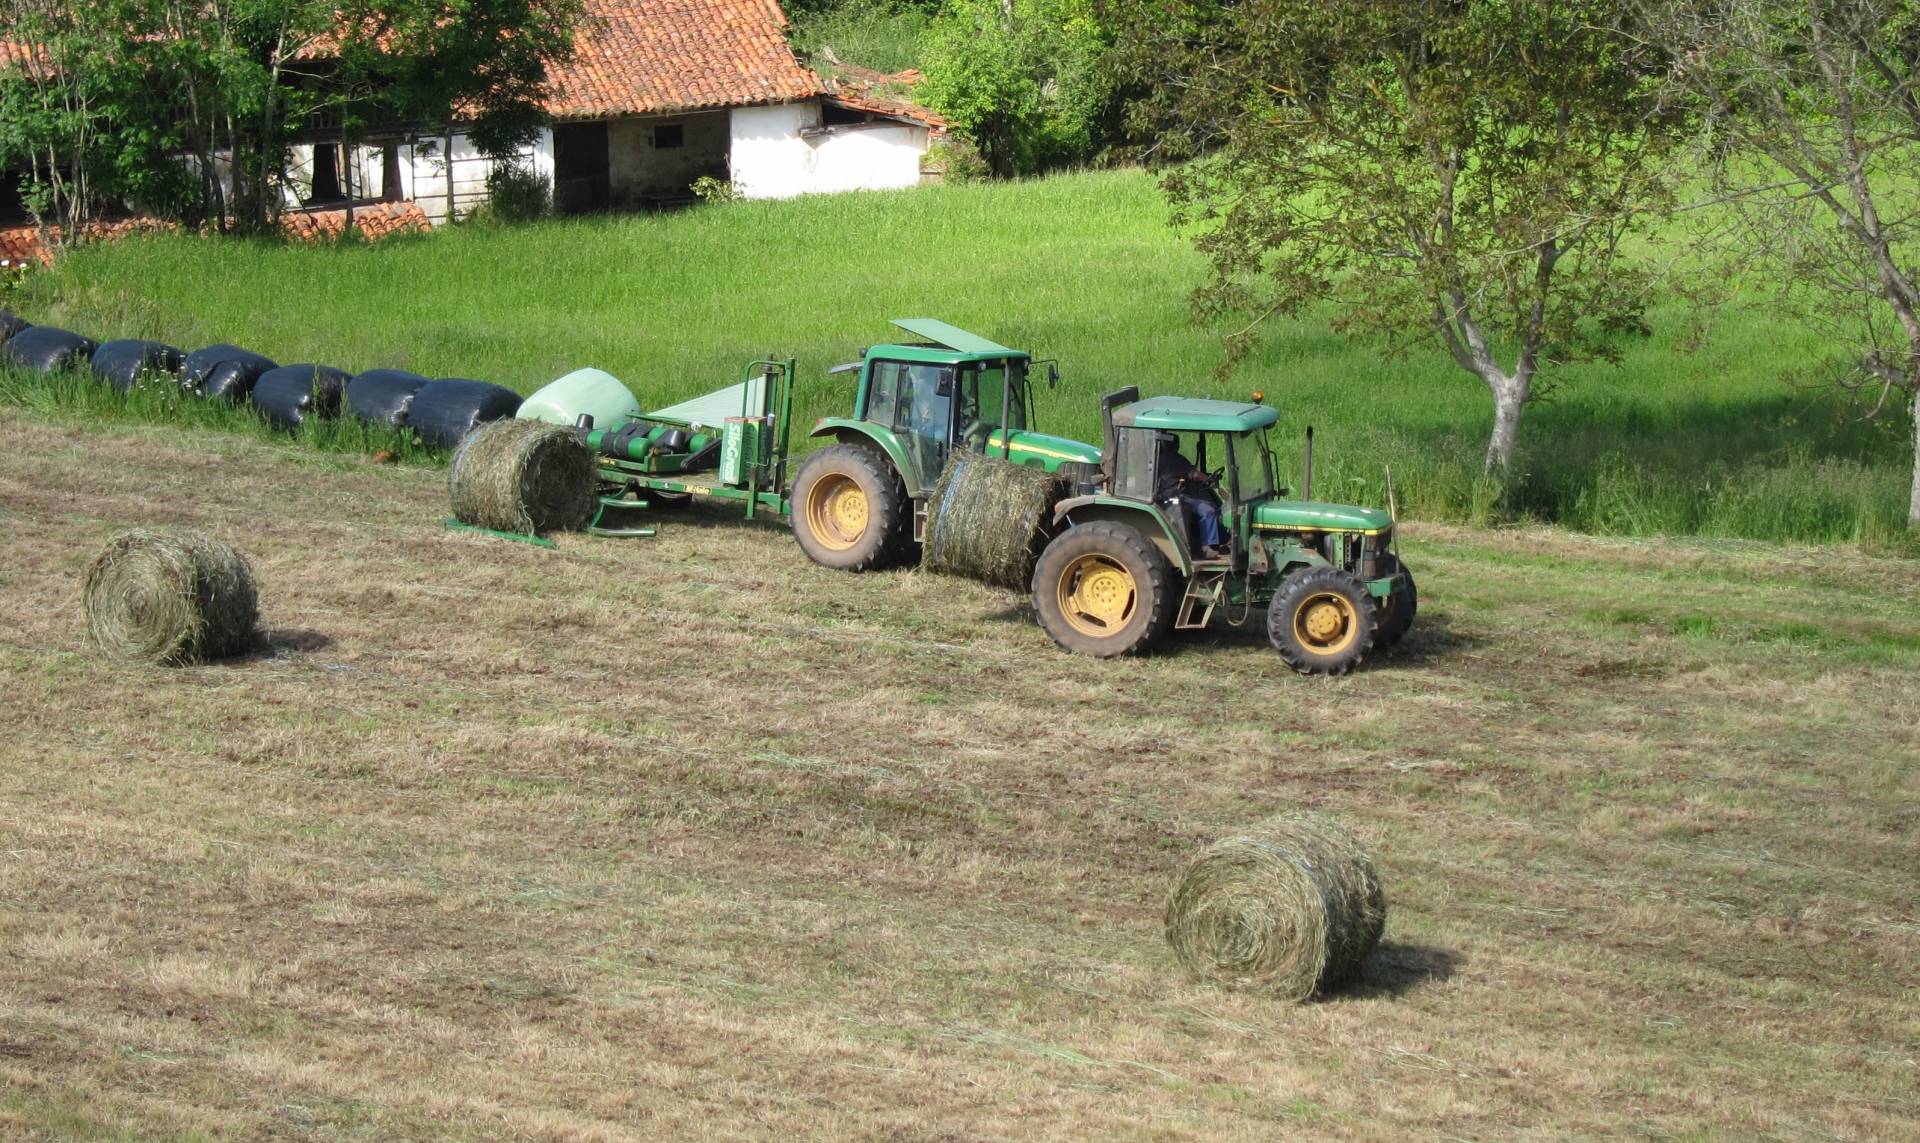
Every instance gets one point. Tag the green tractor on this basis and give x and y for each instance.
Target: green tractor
(861, 502)
(1125, 566)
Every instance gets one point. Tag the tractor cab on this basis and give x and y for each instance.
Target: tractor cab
(919, 400)
(1222, 443)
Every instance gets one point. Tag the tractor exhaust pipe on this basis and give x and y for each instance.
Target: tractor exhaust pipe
(1306, 468)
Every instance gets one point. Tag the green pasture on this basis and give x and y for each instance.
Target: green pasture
(1689, 434)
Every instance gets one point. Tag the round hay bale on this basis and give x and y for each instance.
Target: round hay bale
(383, 396)
(287, 396)
(164, 598)
(1293, 910)
(523, 476)
(986, 519)
(223, 372)
(47, 349)
(123, 363)
(445, 411)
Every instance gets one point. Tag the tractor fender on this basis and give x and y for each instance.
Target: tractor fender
(862, 432)
(1146, 518)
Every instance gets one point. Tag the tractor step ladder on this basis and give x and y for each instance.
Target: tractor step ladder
(1205, 590)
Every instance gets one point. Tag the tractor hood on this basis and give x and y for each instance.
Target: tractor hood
(1311, 515)
(1045, 448)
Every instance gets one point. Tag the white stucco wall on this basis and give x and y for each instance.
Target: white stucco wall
(768, 158)
(772, 159)
(869, 156)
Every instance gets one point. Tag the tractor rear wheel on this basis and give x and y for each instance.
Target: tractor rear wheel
(1394, 615)
(1322, 621)
(849, 508)
(1103, 589)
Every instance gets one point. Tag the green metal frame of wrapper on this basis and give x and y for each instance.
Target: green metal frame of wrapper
(734, 448)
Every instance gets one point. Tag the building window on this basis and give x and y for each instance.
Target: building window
(668, 135)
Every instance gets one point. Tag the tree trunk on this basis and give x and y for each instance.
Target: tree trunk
(1509, 398)
(1913, 499)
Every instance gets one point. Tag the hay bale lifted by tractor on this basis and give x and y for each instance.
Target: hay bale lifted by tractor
(1118, 562)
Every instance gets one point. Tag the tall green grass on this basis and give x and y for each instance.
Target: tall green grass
(1082, 268)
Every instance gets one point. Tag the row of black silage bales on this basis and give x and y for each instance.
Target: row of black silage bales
(439, 411)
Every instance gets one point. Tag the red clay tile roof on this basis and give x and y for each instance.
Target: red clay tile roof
(644, 57)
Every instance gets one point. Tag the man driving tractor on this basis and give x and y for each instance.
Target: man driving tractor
(1176, 478)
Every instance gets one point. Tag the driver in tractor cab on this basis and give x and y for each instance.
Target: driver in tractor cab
(1175, 478)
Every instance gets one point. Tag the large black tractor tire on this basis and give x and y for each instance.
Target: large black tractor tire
(1104, 590)
(850, 510)
(1393, 616)
(1322, 621)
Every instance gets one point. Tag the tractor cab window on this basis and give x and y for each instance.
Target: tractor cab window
(985, 398)
(1133, 464)
(1252, 466)
(910, 398)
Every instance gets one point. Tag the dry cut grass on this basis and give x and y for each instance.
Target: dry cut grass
(686, 836)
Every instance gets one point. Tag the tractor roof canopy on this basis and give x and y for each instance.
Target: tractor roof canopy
(950, 344)
(1193, 415)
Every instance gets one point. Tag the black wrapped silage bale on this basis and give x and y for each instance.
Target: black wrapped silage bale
(223, 371)
(287, 396)
(448, 409)
(10, 324)
(383, 396)
(47, 349)
(124, 362)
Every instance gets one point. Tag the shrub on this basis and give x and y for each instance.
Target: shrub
(516, 193)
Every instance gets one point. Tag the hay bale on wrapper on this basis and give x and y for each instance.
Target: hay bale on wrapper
(1292, 910)
(985, 518)
(523, 476)
(171, 599)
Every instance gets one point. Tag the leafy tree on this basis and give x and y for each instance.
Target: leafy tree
(1024, 79)
(1458, 170)
(1813, 108)
(184, 92)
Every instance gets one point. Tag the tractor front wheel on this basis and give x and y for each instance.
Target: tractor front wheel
(1394, 614)
(1322, 621)
(1103, 589)
(850, 510)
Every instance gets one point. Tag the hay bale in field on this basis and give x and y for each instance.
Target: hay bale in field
(1292, 910)
(445, 411)
(223, 372)
(383, 396)
(124, 362)
(46, 349)
(523, 476)
(10, 324)
(171, 599)
(287, 396)
(985, 518)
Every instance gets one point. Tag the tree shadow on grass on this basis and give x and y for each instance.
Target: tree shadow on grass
(1399, 967)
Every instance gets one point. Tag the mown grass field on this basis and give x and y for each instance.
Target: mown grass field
(689, 837)
(1680, 438)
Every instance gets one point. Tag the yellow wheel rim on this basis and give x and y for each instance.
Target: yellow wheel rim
(1097, 595)
(837, 511)
(1326, 623)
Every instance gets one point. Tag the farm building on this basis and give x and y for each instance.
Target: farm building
(660, 93)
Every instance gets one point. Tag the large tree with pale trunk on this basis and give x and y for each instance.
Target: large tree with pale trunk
(1463, 172)
(1813, 108)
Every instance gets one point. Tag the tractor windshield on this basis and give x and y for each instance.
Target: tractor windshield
(1252, 466)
